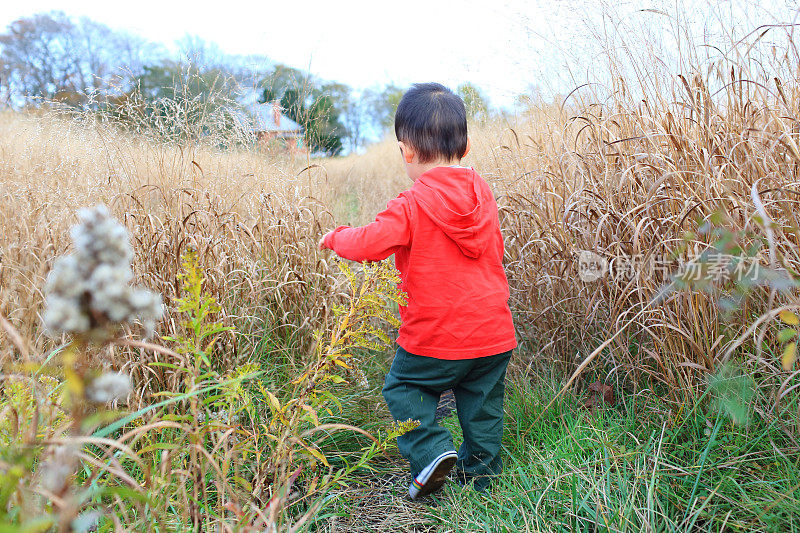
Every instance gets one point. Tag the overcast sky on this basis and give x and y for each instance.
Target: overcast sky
(503, 47)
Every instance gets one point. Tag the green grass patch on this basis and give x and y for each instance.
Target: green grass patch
(638, 465)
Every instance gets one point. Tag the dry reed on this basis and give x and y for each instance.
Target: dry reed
(634, 171)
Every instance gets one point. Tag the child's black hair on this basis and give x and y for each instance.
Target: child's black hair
(433, 120)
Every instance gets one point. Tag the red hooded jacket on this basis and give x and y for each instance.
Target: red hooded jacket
(445, 234)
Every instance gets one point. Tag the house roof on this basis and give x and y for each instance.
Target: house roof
(260, 117)
(264, 119)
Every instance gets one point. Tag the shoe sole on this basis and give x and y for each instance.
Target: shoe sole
(437, 477)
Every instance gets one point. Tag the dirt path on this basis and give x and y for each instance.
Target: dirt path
(377, 500)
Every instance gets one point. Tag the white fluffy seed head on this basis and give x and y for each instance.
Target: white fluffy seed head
(65, 315)
(101, 239)
(65, 279)
(86, 521)
(94, 281)
(108, 387)
(55, 471)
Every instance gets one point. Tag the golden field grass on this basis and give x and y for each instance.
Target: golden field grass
(635, 180)
(241, 211)
(627, 179)
(707, 161)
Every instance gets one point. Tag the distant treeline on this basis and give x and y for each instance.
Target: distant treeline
(51, 58)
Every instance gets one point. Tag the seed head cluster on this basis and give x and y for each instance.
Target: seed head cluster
(90, 289)
(55, 471)
(109, 387)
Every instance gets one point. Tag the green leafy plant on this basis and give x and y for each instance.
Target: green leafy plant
(295, 427)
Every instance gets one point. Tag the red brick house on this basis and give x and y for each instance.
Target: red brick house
(274, 130)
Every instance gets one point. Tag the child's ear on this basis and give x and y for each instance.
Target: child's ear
(407, 151)
(469, 146)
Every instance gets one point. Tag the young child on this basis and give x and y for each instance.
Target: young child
(456, 330)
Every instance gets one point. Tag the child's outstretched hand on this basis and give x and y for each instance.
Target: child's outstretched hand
(321, 245)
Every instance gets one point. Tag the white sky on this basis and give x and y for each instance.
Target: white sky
(502, 46)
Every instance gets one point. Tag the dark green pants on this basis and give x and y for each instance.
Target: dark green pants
(412, 390)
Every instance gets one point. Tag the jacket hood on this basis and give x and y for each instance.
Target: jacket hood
(458, 201)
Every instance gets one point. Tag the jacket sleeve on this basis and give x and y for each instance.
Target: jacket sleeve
(378, 240)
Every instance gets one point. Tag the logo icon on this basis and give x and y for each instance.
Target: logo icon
(591, 266)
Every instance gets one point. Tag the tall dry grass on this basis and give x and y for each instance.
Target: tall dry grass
(633, 168)
(655, 167)
(235, 227)
(251, 217)
(648, 178)
(649, 164)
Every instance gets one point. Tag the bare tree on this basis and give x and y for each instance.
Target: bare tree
(35, 54)
(52, 57)
(353, 118)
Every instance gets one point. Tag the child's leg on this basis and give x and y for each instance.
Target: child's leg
(479, 403)
(412, 390)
